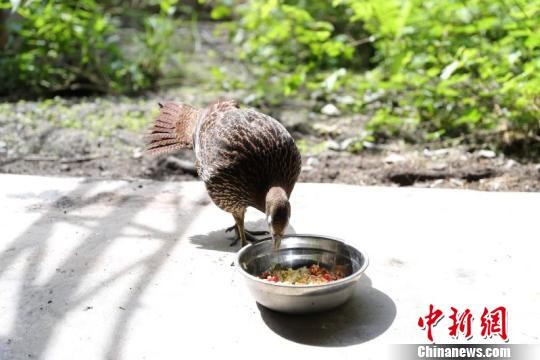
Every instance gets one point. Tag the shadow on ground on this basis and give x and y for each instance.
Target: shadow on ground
(43, 305)
(219, 240)
(368, 314)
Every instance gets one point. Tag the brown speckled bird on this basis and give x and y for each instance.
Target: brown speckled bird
(245, 158)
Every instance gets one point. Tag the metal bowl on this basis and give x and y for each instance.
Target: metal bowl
(297, 251)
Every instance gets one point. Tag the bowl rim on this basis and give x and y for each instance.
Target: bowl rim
(350, 278)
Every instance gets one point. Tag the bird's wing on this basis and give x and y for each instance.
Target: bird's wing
(251, 148)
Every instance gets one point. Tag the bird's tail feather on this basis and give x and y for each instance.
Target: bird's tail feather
(173, 129)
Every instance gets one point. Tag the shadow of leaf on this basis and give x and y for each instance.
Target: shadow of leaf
(40, 308)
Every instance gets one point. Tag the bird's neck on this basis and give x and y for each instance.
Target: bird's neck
(275, 197)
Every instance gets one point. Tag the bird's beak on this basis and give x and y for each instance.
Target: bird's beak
(277, 241)
(276, 235)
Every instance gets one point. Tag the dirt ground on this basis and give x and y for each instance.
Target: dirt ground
(75, 152)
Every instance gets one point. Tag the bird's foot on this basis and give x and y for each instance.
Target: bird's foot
(250, 235)
(263, 232)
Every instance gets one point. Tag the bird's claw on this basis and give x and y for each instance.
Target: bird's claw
(250, 235)
(261, 232)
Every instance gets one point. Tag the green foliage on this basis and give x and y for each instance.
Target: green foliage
(155, 40)
(435, 69)
(453, 67)
(57, 46)
(287, 45)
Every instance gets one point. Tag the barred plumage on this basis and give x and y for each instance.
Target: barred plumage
(241, 155)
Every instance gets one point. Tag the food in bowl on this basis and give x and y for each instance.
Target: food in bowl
(312, 275)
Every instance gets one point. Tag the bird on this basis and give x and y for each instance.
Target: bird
(244, 157)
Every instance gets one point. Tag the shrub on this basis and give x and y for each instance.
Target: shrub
(288, 45)
(436, 68)
(453, 67)
(57, 46)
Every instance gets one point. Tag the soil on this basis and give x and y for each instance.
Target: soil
(74, 152)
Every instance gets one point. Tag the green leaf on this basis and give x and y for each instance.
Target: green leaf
(220, 12)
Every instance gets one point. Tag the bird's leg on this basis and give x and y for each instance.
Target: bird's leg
(243, 234)
(240, 234)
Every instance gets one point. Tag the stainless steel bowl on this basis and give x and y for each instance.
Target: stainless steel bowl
(297, 251)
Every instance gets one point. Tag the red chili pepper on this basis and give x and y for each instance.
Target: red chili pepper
(314, 269)
(327, 277)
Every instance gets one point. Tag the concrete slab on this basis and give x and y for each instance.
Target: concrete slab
(142, 270)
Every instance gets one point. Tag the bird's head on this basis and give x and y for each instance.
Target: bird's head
(278, 212)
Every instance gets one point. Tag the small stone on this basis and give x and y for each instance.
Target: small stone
(457, 182)
(333, 174)
(394, 158)
(147, 172)
(312, 161)
(495, 185)
(368, 144)
(325, 130)
(346, 143)
(439, 166)
(333, 145)
(537, 167)
(373, 96)
(137, 153)
(488, 154)
(436, 153)
(65, 167)
(330, 110)
(510, 164)
(250, 98)
(345, 99)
